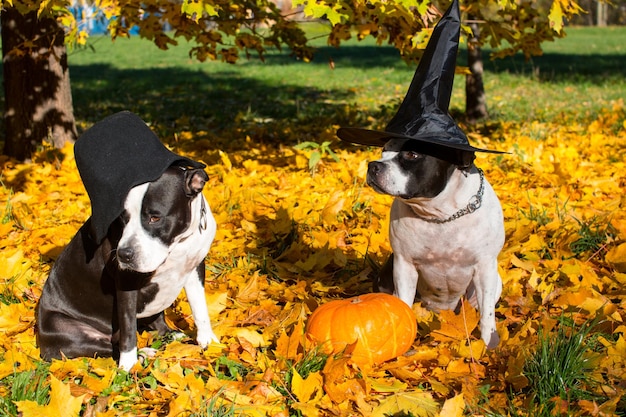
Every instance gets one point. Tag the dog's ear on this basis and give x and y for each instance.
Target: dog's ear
(194, 181)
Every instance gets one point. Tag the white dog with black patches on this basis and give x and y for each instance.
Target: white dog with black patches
(446, 230)
(446, 226)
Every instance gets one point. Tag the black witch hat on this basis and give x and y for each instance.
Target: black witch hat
(423, 115)
(114, 155)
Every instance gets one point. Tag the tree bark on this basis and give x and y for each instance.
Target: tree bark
(602, 11)
(475, 98)
(38, 98)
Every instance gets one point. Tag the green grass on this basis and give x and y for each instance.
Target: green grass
(561, 366)
(575, 78)
(25, 386)
(559, 370)
(216, 407)
(229, 369)
(593, 234)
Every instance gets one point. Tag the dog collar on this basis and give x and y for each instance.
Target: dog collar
(203, 217)
(474, 204)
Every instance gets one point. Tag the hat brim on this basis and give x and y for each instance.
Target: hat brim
(378, 138)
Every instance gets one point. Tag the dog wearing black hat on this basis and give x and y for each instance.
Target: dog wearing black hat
(149, 232)
(446, 224)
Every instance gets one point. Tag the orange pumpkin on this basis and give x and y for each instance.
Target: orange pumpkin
(380, 326)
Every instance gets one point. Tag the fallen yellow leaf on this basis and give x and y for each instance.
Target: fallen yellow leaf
(62, 403)
(420, 404)
(453, 407)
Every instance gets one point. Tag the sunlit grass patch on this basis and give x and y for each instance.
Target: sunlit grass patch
(31, 385)
(560, 370)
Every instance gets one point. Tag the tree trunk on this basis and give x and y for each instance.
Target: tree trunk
(475, 99)
(38, 98)
(602, 11)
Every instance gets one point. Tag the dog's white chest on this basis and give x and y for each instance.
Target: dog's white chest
(180, 266)
(173, 275)
(447, 256)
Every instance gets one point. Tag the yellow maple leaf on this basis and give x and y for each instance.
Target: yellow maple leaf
(250, 290)
(253, 337)
(181, 404)
(226, 161)
(453, 407)
(458, 366)
(417, 403)
(386, 385)
(15, 361)
(333, 206)
(456, 326)
(179, 351)
(96, 384)
(189, 398)
(475, 349)
(13, 264)
(542, 283)
(617, 257)
(15, 318)
(615, 358)
(339, 381)
(171, 376)
(289, 346)
(216, 302)
(307, 409)
(62, 403)
(309, 389)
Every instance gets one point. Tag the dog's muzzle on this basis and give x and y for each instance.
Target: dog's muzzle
(375, 172)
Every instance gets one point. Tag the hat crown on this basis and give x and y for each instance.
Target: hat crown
(114, 155)
(423, 114)
(424, 110)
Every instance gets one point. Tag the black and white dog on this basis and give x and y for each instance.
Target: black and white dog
(96, 294)
(127, 264)
(446, 231)
(446, 223)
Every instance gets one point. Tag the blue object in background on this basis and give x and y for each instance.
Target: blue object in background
(92, 20)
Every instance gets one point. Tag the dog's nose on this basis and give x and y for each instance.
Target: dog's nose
(125, 254)
(374, 167)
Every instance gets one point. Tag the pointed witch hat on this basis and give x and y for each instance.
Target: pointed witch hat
(423, 115)
(114, 155)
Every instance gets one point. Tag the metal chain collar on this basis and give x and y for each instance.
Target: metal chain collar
(203, 218)
(473, 205)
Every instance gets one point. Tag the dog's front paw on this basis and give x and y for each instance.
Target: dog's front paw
(206, 337)
(492, 341)
(128, 359)
(146, 353)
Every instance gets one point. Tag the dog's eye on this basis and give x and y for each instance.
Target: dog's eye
(411, 155)
(154, 219)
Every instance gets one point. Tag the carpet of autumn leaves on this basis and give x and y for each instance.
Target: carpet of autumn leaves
(292, 236)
